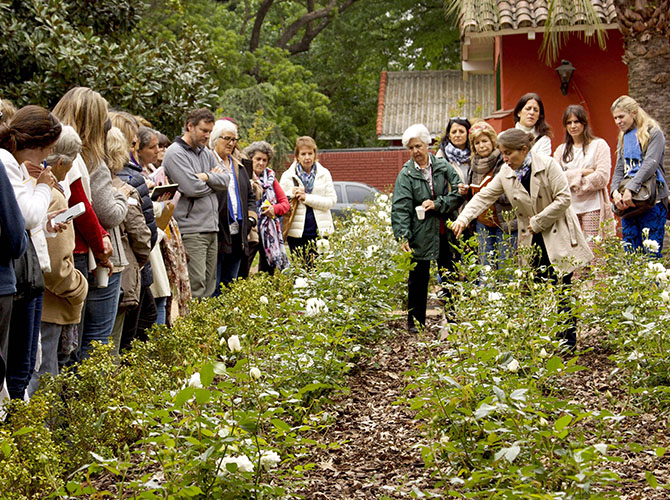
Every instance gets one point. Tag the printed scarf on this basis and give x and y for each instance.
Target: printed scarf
(269, 228)
(307, 179)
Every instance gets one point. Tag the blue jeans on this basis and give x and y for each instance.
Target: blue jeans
(23, 339)
(102, 305)
(50, 338)
(654, 220)
(494, 246)
(161, 303)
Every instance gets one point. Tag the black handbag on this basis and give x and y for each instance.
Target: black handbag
(644, 199)
(29, 277)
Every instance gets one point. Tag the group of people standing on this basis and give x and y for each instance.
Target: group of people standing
(150, 224)
(510, 192)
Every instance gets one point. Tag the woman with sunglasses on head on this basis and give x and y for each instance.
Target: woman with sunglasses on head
(587, 164)
(455, 148)
(529, 117)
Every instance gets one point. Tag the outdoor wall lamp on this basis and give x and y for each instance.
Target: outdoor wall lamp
(565, 71)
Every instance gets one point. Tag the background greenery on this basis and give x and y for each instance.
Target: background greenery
(246, 59)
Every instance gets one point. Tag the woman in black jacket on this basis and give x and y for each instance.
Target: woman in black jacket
(237, 205)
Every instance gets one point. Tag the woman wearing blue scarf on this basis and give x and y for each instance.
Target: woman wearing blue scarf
(640, 153)
(538, 189)
(311, 184)
(237, 205)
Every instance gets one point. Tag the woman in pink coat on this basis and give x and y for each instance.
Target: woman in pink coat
(587, 163)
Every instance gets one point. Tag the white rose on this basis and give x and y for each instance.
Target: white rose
(300, 283)
(518, 273)
(665, 296)
(244, 464)
(255, 373)
(544, 354)
(270, 459)
(513, 366)
(473, 292)
(194, 381)
(263, 299)
(315, 306)
(322, 245)
(370, 251)
(234, 343)
(651, 245)
(495, 296)
(383, 198)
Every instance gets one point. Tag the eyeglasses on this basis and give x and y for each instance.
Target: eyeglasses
(230, 139)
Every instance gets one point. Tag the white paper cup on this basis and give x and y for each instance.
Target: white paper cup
(420, 212)
(102, 277)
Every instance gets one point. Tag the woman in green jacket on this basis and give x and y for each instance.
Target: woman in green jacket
(425, 194)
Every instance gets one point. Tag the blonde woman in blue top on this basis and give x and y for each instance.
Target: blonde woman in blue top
(640, 153)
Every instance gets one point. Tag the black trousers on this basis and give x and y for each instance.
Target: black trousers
(139, 319)
(417, 292)
(545, 271)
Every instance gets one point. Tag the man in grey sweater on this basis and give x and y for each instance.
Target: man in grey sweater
(191, 165)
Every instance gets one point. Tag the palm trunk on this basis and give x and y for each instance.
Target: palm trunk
(646, 31)
(647, 54)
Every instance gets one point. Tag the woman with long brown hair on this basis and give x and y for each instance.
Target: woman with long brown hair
(587, 164)
(25, 141)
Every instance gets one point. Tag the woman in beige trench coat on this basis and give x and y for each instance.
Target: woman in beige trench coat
(538, 189)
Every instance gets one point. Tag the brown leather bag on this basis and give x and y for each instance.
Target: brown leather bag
(290, 215)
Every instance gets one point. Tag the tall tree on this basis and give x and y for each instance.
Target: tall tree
(645, 25)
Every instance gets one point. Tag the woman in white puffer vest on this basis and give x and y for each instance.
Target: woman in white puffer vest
(311, 184)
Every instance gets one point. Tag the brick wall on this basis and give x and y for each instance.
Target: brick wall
(376, 167)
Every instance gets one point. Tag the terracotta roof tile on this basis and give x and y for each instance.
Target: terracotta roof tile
(483, 16)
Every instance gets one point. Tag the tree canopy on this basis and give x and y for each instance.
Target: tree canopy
(281, 69)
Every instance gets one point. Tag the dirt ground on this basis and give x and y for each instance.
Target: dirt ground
(374, 453)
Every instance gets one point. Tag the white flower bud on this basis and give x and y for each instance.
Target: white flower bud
(234, 343)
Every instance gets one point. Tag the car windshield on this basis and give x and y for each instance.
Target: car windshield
(359, 194)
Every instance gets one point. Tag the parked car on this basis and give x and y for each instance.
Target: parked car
(352, 195)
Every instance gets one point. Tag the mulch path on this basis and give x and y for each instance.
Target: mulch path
(374, 454)
(371, 449)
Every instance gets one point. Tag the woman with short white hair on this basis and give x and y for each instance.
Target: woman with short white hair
(425, 195)
(237, 204)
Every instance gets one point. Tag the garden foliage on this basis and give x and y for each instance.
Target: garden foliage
(222, 405)
(499, 421)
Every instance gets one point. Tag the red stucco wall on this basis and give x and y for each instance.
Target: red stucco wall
(600, 75)
(376, 167)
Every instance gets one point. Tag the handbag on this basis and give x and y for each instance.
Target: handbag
(644, 199)
(287, 220)
(29, 277)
